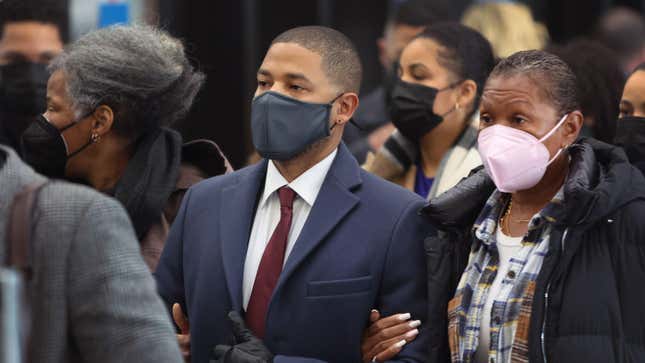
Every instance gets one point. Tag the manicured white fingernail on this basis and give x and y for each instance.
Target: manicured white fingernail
(400, 344)
(404, 317)
(374, 311)
(412, 333)
(415, 324)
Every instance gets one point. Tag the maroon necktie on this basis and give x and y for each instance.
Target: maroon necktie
(270, 266)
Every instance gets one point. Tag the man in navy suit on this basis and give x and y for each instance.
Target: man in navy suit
(302, 245)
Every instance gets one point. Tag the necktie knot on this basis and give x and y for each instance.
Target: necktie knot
(287, 195)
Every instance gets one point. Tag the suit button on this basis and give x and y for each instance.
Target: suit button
(511, 274)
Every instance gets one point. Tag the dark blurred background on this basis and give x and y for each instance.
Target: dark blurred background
(227, 39)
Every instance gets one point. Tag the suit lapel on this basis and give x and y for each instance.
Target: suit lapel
(335, 200)
(237, 213)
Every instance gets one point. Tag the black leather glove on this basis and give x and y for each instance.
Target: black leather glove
(248, 348)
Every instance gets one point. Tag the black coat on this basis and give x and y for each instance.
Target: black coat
(589, 303)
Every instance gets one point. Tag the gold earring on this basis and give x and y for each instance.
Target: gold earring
(457, 106)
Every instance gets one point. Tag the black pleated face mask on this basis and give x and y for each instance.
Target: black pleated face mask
(411, 108)
(630, 134)
(23, 88)
(45, 149)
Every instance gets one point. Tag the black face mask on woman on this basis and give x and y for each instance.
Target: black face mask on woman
(45, 149)
(630, 134)
(411, 108)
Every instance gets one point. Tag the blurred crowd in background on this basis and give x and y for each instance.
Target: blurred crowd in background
(322, 181)
(227, 40)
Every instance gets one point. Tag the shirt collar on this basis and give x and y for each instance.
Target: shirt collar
(307, 185)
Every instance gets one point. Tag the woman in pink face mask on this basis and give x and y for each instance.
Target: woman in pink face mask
(538, 253)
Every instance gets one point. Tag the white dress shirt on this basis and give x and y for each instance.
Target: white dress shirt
(307, 186)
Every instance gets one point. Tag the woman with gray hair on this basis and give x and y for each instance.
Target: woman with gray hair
(110, 97)
(539, 257)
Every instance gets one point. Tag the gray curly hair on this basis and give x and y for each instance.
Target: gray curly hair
(141, 72)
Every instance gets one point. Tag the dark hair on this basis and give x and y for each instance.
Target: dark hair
(416, 13)
(551, 74)
(600, 82)
(623, 31)
(467, 54)
(340, 59)
(42, 11)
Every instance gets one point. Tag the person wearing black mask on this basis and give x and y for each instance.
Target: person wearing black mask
(372, 120)
(31, 35)
(434, 107)
(630, 129)
(106, 125)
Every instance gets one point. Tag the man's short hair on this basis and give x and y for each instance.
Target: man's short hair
(340, 60)
(42, 11)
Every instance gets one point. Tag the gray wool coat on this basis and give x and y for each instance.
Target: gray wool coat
(94, 299)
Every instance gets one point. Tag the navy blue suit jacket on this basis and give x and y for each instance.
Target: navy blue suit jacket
(361, 248)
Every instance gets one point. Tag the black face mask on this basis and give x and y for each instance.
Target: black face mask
(23, 88)
(45, 149)
(284, 127)
(630, 134)
(23, 92)
(411, 109)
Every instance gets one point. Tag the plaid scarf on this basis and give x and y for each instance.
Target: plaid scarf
(511, 309)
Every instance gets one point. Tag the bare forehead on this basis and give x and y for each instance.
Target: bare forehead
(635, 86)
(423, 48)
(33, 33)
(516, 88)
(57, 87)
(292, 57)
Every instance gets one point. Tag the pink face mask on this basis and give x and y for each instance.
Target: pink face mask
(514, 159)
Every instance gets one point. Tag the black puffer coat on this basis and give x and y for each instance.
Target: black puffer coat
(590, 300)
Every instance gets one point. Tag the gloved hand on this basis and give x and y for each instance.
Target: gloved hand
(248, 348)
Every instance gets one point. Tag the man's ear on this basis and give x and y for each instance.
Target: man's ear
(103, 120)
(572, 126)
(346, 106)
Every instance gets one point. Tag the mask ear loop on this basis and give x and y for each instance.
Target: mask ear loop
(557, 126)
(93, 137)
(351, 120)
(456, 107)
